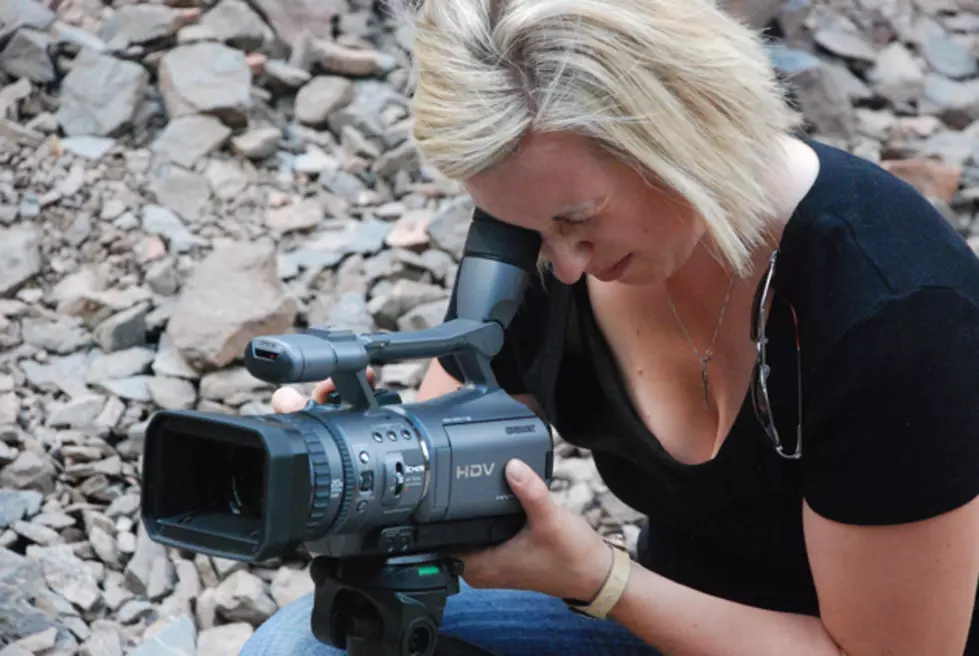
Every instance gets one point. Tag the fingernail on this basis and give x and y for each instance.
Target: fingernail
(517, 470)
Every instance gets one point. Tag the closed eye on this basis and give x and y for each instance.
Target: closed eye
(564, 220)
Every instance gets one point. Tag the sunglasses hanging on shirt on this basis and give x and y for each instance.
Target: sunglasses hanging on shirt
(759, 378)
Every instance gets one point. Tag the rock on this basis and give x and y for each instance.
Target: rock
(16, 505)
(293, 20)
(17, 14)
(27, 55)
(20, 257)
(301, 215)
(29, 472)
(235, 23)
(188, 138)
(932, 178)
(258, 143)
(955, 103)
(322, 96)
(177, 638)
(100, 94)
(184, 192)
(946, 56)
(206, 78)
(242, 597)
(896, 75)
(131, 25)
(238, 289)
(825, 104)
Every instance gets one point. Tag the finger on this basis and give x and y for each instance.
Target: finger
(287, 399)
(322, 390)
(531, 490)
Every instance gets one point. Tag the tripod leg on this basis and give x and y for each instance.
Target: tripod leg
(451, 646)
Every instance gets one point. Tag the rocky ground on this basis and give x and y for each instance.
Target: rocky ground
(178, 178)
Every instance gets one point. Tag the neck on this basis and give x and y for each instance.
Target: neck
(698, 289)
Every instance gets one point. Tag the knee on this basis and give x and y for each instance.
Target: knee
(288, 633)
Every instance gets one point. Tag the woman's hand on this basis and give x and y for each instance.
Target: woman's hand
(557, 553)
(288, 399)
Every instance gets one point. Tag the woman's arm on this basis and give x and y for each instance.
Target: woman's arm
(895, 590)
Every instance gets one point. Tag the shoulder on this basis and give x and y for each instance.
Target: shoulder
(887, 295)
(865, 245)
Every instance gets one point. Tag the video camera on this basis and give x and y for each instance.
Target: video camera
(378, 491)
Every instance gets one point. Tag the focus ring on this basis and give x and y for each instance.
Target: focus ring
(348, 473)
(321, 480)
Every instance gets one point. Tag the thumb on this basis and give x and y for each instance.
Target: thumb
(531, 490)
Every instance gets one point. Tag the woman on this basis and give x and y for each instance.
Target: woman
(770, 346)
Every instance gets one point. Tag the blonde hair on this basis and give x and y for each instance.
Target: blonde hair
(675, 88)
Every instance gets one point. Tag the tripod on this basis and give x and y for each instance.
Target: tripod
(387, 606)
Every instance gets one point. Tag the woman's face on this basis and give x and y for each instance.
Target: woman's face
(595, 215)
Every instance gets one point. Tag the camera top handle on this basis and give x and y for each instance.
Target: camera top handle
(498, 261)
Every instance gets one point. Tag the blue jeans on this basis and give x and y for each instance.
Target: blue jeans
(505, 622)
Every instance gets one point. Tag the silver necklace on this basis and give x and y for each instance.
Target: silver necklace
(706, 357)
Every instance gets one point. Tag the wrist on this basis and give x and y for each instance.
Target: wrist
(595, 573)
(597, 599)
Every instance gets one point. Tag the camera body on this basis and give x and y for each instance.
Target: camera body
(365, 475)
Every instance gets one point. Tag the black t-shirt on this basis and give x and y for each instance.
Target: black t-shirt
(887, 298)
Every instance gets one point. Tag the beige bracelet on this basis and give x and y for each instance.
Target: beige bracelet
(613, 587)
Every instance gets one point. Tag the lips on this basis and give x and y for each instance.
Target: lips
(615, 270)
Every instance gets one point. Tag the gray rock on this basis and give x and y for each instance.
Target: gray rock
(840, 36)
(450, 226)
(15, 14)
(956, 103)
(88, 146)
(20, 257)
(121, 363)
(424, 316)
(235, 23)
(301, 215)
(946, 56)
(62, 335)
(177, 638)
(824, 102)
(27, 55)
(224, 640)
(172, 393)
(138, 24)
(100, 94)
(227, 383)
(16, 505)
(80, 412)
(67, 575)
(180, 190)
(206, 78)
(258, 143)
(238, 289)
(322, 96)
(124, 330)
(188, 138)
(293, 20)
(896, 75)
(159, 220)
(243, 597)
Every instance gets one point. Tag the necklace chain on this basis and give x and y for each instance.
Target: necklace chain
(706, 357)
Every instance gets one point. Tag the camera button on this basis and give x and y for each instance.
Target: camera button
(366, 481)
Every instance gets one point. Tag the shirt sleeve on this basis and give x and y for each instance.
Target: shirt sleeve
(892, 432)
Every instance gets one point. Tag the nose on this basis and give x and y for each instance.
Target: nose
(569, 258)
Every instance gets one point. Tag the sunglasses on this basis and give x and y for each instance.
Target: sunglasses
(759, 378)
